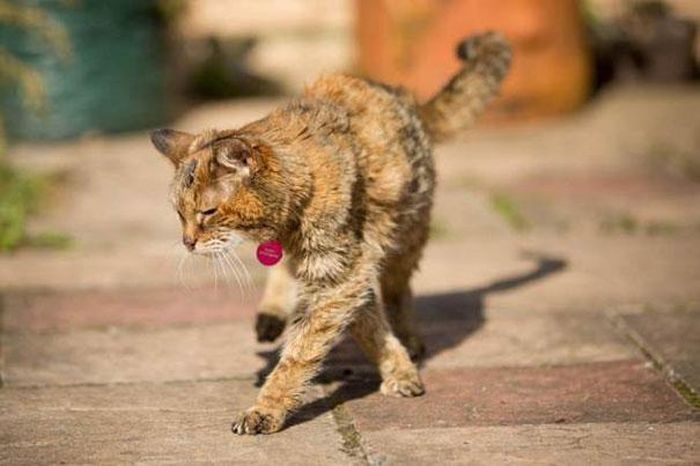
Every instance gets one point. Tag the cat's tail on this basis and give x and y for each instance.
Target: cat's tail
(487, 59)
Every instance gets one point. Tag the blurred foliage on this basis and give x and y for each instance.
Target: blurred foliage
(590, 14)
(623, 223)
(509, 210)
(49, 240)
(439, 230)
(19, 196)
(627, 224)
(172, 10)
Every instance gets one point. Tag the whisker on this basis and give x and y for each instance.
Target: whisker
(246, 273)
(232, 267)
(216, 275)
(179, 268)
(218, 254)
(176, 256)
(249, 291)
(182, 268)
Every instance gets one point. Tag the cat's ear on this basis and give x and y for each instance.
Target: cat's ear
(172, 144)
(235, 154)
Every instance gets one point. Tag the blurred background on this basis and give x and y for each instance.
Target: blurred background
(596, 131)
(82, 80)
(77, 67)
(559, 294)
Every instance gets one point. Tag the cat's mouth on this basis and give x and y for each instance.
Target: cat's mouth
(216, 246)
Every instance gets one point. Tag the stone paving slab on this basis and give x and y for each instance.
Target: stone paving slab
(625, 391)
(519, 338)
(41, 312)
(145, 264)
(549, 444)
(596, 203)
(114, 355)
(503, 337)
(600, 272)
(152, 423)
(673, 338)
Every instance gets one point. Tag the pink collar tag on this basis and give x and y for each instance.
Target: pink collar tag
(269, 253)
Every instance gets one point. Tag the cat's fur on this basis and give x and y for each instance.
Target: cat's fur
(343, 177)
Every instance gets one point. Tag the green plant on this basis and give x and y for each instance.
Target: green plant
(627, 224)
(620, 223)
(510, 211)
(172, 11)
(439, 230)
(49, 240)
(20, 196)
(20, 193)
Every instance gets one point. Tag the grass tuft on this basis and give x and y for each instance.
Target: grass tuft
(624, 223)
(510, 212)
(49, 240)
(20, 196)
(439, 230)
(627, 224)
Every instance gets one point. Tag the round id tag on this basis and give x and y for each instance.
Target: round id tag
(269, 253)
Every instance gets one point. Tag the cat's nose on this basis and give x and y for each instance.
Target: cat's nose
(189, 242)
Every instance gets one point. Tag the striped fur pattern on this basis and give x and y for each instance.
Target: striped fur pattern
(343, 177)
(466, 95)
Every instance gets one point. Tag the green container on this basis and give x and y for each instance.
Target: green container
(115, 78)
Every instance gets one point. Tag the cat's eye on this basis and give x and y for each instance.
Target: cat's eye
(182, 217)
(208, 212)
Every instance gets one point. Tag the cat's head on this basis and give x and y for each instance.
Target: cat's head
(220, 190)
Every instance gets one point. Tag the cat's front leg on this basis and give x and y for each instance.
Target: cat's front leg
(276, 304)
(315, 328)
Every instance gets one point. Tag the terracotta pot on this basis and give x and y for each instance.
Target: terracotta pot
(412, 43)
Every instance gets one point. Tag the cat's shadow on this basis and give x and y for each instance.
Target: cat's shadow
(444, 321)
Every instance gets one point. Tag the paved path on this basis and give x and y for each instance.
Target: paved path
(562, 320)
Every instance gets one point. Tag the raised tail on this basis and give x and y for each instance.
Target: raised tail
(456, 107)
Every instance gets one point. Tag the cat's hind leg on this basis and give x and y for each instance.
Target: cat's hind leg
(396, 276)
(398, 302)
(278, 301)
(374, 334)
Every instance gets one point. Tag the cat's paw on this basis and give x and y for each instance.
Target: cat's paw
(258, 420)
(268, 327)
(406, 386)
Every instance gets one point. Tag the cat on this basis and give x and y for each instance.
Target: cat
(343, 178)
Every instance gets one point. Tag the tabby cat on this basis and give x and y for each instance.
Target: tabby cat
(343, 179)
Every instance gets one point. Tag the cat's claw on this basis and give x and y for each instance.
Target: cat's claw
(257, 420)
(403, 387)
(268, 327)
